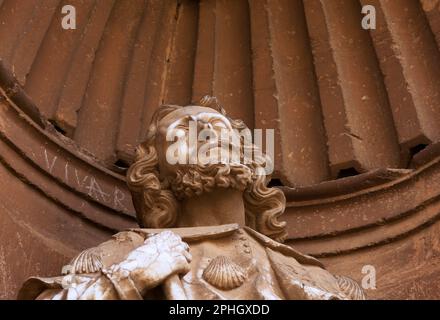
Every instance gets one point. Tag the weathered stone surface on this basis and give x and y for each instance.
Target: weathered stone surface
(342, 101)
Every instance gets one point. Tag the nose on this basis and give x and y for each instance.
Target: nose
(203, 125)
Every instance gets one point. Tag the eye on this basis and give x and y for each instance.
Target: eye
(182, 126)
(183, 123)
(217, 123)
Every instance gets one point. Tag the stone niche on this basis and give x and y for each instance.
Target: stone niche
(354, 111)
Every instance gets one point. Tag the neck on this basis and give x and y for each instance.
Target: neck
(221, 206)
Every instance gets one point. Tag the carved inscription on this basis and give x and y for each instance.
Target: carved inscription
(86, 183)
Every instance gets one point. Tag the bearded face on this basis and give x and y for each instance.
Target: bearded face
(195, 149)
(199, 150)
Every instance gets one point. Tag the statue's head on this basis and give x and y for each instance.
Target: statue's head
(170, 166)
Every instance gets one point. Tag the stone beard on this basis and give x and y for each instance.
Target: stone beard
(156, 205)
(208, 232)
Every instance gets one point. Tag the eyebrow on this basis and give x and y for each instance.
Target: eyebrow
(216, 115)
(197, 117)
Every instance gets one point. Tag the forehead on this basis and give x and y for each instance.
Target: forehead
(188, 111)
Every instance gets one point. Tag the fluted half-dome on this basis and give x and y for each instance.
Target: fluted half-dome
(356, 116)
(342, 100)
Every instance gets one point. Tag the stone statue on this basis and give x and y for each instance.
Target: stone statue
(210, 230)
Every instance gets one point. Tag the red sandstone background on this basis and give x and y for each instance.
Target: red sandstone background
(356, 114)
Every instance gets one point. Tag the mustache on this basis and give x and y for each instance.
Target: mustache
(217, 148)
(190, 180)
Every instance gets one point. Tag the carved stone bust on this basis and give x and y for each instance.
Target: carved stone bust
(210, 230)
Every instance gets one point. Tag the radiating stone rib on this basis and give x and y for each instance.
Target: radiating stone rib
(154, 92)
(357, 118)
(14, 17)
(264, 86)
(205, 52)
(303, 141)
(45, 84)
(281, 61)
(31, 38)
(130, 124)
(410, 61)
(80, 68)
(101, 107)
(432, 12)
(232, 68)
(178, 86)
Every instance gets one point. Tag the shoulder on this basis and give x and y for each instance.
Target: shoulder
(283, 249)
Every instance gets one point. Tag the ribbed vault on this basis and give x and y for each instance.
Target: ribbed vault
(355, 113)
(342, 100)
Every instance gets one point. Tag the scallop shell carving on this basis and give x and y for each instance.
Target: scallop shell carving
(88, 261)
(350, 288)
(224, 274)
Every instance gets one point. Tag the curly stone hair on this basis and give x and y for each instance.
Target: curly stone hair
(157, 202)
